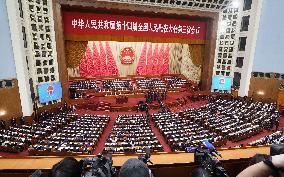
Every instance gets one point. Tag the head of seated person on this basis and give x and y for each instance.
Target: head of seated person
(68, 167)
(134, 168)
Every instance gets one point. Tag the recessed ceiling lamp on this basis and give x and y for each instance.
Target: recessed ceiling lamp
(2, 113)
(260, 92)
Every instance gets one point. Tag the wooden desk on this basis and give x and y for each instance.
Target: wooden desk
(46, 162)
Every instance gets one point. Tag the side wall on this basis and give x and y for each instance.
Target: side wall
(7, 64)
(269, 54)
(10, 103)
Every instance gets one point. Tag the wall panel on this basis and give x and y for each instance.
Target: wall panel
(269, 87)
(10, 102)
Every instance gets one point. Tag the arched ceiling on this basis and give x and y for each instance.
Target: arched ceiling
(204, 5)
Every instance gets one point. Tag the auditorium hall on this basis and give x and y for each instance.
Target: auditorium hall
(141, 88)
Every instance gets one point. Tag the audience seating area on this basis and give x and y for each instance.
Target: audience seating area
(236, 118)
(79, 136)
(219, 121)
(18, 138)
(275, 137)
(131, 133)
(182, 132)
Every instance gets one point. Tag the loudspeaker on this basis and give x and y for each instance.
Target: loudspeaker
(281, 86)
(267, 75)
(9, 83)
(255, 74)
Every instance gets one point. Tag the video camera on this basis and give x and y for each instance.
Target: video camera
(100, 166)
(146, 157)
(207, 159)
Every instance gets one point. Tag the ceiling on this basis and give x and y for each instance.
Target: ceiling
(205, 5)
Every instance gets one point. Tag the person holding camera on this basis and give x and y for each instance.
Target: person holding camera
(68, 167)
(101, 166)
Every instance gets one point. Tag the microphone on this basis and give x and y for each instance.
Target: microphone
(148, 152)
(210, 147)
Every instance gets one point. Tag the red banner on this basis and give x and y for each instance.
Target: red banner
(118, 25)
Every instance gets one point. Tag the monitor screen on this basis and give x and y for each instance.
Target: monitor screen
(49, 92)
(222, 83)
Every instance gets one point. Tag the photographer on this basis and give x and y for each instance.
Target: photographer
(100, 166)
(206, 158)
(68, 167)
(134, 168)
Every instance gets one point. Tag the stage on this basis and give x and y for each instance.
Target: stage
(109, 102)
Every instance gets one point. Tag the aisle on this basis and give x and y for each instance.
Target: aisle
(160, 137)
(102, 140)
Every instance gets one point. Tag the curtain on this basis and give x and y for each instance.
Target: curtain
(113, 58)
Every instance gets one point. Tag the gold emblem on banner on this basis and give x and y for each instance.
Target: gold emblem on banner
(127, 55)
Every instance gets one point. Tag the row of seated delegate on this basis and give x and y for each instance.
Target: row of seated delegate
(149, 83)
(117, 84)
(84, 84)
(237, 119)
(79, 136)
(132, 133)
(176, 82)
(274, 138)
(78, 88)
(146, 83)
(17, 139)
(182, 132)
(220, 120)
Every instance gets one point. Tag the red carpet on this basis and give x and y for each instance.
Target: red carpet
(160, 137)
(101, 143)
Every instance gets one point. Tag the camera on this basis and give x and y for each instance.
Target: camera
(145, 158)
(100, 166)
(207, 160)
